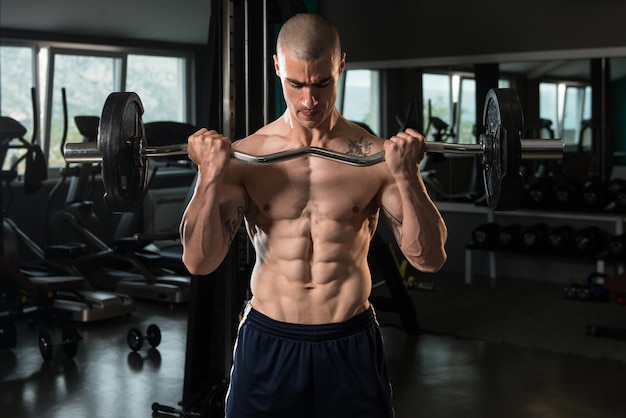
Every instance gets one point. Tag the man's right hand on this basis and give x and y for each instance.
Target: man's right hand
(210, 150)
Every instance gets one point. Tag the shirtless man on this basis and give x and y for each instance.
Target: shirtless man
(309, 344)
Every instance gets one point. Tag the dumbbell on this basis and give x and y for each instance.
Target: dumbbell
(595, 330)
(595, 195)
(617, 191)
(485, 235)
(534, 237)
(567, 194)
(509, 237)
(616, 246)
(69, 343)
(560, 238)
(590, 241)
(135, 338)
(538, 193)
(576, 290)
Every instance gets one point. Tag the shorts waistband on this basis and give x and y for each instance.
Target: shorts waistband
(311, 333)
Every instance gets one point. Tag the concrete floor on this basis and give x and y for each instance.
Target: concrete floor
(432, 376)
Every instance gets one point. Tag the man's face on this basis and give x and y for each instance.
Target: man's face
(309, 87)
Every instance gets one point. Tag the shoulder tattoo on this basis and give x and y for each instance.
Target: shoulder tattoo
(359, 147)
(395, 224)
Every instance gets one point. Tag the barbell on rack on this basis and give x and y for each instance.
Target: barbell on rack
(123, 151)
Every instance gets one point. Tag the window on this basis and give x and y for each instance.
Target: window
(88, 77)
(450, 107)
(160, 83)
(437, 103)
(361, 98)
(548, 103)
(467, 111)
(87, 80)
(576, 109)
(567, 106)
(17, 77)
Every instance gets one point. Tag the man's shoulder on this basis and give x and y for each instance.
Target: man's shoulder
(260, 142)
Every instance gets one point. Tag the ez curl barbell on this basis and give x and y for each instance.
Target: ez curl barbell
(123, 151)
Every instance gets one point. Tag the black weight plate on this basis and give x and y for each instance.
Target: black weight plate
(121, 139)
(45, 346)
(70, 341)
(134, 339)
(503, 121)
(154, 335)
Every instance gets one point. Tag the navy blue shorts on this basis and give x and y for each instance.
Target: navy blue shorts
(305, 371)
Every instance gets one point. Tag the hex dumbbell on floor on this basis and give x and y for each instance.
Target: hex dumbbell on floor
(135, 338)
(123, 151)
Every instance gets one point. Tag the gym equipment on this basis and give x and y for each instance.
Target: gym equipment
(560, 238)
(509, 237)
(123, 151)
(590, 290)
(616, 246)
(617, 191)
(539, 193)
(69, 343)
(595, 195)
(135, 338)
(138, 282)
(109, 262)
(576, 290)
(590, 241)
(567, 193)
(486, 235)
(81, 304)
(534, 237)
(596, 330)
(595, 284)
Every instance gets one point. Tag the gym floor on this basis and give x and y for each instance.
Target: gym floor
(433, 376)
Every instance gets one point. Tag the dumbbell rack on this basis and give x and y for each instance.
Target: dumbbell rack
(613, 221)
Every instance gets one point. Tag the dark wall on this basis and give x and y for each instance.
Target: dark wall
(619, 122)
(403, 29)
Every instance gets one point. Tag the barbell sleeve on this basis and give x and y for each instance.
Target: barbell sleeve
(542, 149)
(82, 152)
(531, 149)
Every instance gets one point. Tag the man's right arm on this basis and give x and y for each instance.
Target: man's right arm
(215, 211)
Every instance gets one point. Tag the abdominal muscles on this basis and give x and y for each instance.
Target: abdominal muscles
(311, 270)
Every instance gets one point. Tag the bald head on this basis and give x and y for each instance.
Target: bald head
(309, 37)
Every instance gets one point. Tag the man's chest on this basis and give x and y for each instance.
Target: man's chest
(312, 187)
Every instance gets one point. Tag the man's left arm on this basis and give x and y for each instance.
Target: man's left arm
(414, 219)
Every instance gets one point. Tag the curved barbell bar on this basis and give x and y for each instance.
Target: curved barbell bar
(531, 149)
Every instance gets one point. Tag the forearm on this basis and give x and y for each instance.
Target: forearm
(206, 233)
(419, 228)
